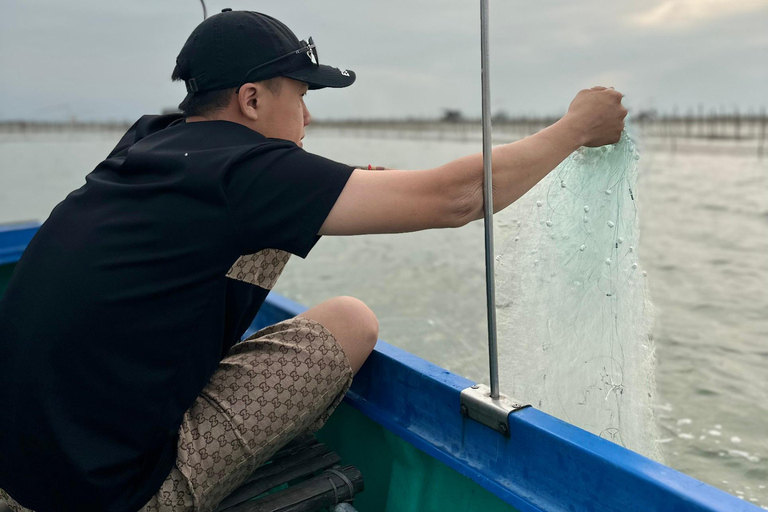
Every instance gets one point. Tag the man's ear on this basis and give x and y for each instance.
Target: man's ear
(248, 97)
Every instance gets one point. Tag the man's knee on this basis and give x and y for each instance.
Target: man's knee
(361, 319)
(352, 323)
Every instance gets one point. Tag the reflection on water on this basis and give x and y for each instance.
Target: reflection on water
(704, 235)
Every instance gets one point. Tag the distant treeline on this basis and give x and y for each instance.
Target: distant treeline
(59, 126)
(700, 131)
(713, 125)
(723, 126)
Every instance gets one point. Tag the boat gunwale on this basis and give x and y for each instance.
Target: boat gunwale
(592, 470)
(14, 238)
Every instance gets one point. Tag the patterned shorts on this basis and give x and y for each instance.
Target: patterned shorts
(283, 381)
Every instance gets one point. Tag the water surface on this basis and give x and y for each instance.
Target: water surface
(704, 242)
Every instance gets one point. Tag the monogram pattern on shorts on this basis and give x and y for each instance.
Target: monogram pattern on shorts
(282, 382)
(262, 268)
(173, 495)
(4, 497)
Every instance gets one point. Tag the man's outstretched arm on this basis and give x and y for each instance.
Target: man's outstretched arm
(452, 195)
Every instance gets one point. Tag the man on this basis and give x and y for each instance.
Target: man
(123, 386)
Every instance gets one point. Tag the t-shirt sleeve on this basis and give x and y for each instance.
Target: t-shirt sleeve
(279, 196)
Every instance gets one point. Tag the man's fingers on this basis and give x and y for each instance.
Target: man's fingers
(601, 88)
(614, 93)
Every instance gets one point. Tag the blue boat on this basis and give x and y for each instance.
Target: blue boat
(403, 426)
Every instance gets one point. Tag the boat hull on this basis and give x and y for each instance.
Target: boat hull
(400, 425)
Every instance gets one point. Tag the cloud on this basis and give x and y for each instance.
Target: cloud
(670, 14)
(112, 60)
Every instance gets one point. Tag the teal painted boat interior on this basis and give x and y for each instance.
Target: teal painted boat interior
(398, 476)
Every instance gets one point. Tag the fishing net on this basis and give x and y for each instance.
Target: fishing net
(573, 306)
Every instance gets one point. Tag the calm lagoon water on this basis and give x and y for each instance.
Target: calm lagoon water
(704, 229)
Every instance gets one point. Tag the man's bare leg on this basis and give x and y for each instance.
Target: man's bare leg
(352, 323)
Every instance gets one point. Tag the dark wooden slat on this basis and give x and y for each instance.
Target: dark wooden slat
(308, 496)
(296, 469)
(295, 446)
(279, 466)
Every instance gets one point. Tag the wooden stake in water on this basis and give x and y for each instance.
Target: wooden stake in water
(490, 284)
(761, 142)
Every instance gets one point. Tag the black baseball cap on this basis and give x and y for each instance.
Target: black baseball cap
(236, 47)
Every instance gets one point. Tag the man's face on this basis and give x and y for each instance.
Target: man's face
(283, 114)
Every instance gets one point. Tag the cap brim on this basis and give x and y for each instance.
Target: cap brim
(319, 77)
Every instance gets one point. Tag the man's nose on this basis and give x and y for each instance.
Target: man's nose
(307, 117)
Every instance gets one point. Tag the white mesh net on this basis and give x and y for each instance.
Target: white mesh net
(573, 306)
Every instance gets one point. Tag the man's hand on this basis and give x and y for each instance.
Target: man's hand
(598, 115)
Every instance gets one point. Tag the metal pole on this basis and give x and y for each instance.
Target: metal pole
(490, 284)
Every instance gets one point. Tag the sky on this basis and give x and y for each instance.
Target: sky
(98, 60)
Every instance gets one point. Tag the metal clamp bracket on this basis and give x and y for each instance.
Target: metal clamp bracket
(477, 404)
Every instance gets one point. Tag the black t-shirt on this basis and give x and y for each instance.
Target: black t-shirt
(127, 298)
